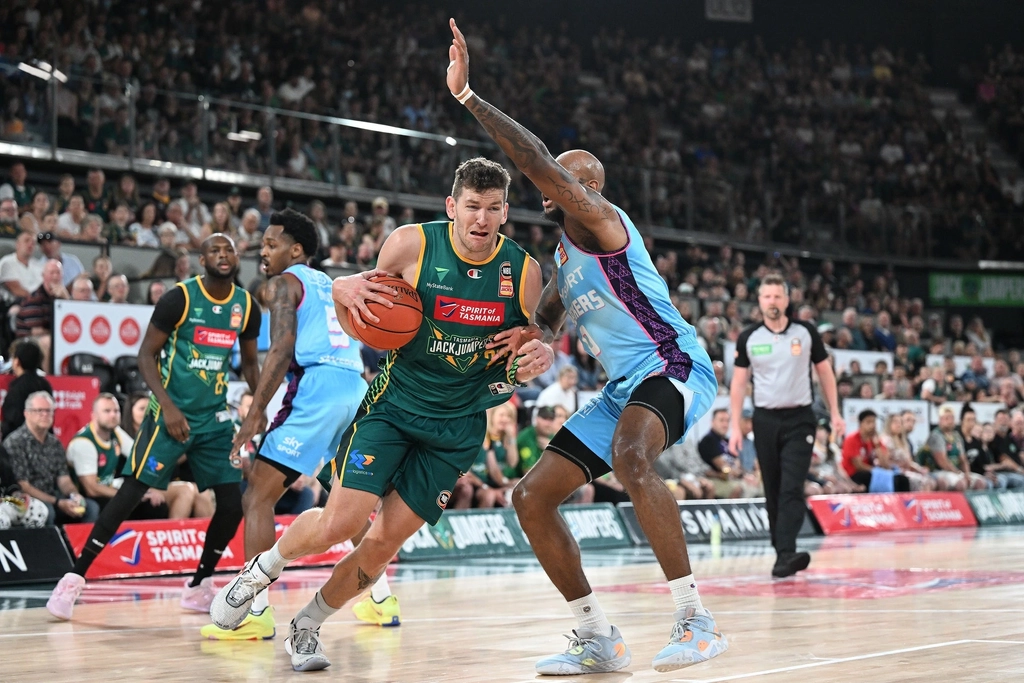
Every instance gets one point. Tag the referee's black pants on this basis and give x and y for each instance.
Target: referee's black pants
(784, 440)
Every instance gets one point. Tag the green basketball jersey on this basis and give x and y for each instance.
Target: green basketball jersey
(194, 362)
(446, 371)
(107, 454)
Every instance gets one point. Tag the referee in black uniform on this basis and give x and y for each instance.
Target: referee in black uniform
(780, 352)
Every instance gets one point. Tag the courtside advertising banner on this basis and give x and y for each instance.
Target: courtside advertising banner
(740, 519)
(166, 546)
(891, 512)
(997, 508)
(467, 533)
(102, 329)
(72, 397)
(33, 555)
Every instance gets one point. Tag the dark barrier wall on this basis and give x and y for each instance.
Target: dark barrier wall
(948, 32)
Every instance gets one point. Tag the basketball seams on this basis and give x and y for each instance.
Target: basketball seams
(410, 319)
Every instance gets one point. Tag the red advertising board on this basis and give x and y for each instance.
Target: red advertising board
(73, 397)
(164, 546)
(891, 512)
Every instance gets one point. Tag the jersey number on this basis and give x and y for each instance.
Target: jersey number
(335, 332)
(588, 342)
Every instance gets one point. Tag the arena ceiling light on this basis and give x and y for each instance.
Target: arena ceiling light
(245, 136)
(43, 70)
(451, 141)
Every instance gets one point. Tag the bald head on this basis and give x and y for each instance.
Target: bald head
(584, 166)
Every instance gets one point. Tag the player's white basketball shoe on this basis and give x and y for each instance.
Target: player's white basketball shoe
(233, 601)
(588, 653)
(303, 644)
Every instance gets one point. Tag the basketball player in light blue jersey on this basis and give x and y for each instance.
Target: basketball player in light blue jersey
(662, 384)
(323, 368)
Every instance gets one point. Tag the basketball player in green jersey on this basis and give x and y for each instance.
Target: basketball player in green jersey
(184, 359)
(423, 418)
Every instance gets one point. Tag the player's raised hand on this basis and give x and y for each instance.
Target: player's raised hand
(458, 66)
(354, 291)
(508, 342)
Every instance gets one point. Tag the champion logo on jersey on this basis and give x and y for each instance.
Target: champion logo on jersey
(474, 273)
(448, 308)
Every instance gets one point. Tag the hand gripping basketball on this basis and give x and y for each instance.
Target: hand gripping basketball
(393, 322)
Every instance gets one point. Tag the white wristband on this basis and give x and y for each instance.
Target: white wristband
(464, 96)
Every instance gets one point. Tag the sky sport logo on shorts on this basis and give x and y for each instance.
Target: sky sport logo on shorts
(469, 312)
(290, 446)
(210, 337)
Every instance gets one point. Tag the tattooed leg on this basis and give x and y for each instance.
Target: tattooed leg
(359, 570)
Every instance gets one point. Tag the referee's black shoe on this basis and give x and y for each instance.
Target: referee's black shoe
(788, 564)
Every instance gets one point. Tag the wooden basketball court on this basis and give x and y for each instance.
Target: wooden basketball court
(941, 605)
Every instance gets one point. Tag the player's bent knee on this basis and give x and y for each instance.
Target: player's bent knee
(630, 464)
(338, 529)
(377, 551)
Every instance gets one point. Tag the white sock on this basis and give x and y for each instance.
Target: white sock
(260, 602)
(381, 591)
(684, 593)
(272, 562)
(317, 612)
(590, 615)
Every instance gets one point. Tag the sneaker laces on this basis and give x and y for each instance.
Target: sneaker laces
(305, 640)
(699, 621)
(576, 641)
(245, 588)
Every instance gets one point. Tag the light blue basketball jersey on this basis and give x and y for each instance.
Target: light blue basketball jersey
(319, 338)
(622, 309)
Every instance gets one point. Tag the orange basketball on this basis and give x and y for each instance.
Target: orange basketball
(397, 325)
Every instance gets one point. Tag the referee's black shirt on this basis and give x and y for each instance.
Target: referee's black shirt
(781, 363)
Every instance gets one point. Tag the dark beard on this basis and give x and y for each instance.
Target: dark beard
(213, 274)
(555, 215)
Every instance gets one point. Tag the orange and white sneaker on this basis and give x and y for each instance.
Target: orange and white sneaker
(695, 639)
(384, 613)
(588, 653)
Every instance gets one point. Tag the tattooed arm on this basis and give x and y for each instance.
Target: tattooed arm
(284, 292)
(550, 313)
(581, 203)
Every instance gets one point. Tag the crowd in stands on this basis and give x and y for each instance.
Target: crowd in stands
(779, 142)
(998, 94)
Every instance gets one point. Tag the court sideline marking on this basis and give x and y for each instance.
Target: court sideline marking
(843, 660)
